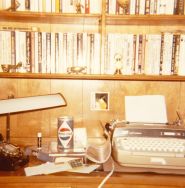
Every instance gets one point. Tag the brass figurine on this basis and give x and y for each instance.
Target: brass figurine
(77, 70)
(79, 7)
(10, 68)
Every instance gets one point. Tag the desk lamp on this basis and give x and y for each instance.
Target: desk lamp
(25, 104)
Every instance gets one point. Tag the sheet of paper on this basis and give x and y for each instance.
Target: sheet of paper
(145, 109)
(46, 168)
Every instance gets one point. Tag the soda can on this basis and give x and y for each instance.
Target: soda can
(65, 132)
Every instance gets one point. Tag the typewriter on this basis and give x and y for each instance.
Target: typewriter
(149, 146)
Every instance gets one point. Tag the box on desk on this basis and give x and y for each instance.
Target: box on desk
(52, 153)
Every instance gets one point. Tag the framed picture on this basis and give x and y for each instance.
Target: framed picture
(100, 101)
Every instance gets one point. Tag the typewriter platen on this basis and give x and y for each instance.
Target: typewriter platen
(149, 147)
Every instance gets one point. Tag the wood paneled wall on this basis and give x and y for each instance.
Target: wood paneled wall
(24, 126)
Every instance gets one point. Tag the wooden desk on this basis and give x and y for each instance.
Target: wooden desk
(18, 179)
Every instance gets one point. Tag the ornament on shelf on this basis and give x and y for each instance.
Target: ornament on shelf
(124, 4)
(118, 63)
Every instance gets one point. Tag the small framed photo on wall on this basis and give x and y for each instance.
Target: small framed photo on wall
(100, 101)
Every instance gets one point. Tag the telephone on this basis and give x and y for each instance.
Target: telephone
(11, 156)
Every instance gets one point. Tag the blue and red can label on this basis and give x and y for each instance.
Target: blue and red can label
(65, 132)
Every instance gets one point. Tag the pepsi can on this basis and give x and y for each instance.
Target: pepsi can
(65, 132)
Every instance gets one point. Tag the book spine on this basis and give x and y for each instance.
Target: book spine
(180, 8)
(32, 68)
(39, 52)
(57, 6)
(36, 62)
(87, 5)
(56, 52)
(52, 43)
(134, 52)
(177, 47)
(97, 67)
(173, 54)
(139, 54)
(48, 52)
(132, 7)
(161, 53)
(175, 10)
(13, 54)
(181, 69)
(91, 53)
(142, 7)
(28, 51)
(147, 7)
(44, 52)
(64, 63)
(27, 5)
(137, 6)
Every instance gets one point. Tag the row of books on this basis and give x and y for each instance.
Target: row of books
(151, 54)
(62, 6)
(44, 52)
(146, 7)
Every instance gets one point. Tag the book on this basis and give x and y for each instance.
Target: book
(152, 54)
(28, 51)
(166, 53)
(52, 52)
(48, 52)
(13, 49)
(128, 54)
(181, 69)
(177, 48)
(39, 52)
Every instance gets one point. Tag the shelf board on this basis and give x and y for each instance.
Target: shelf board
(111, 19)
(55, 18)
(145, 19)
(93, 77)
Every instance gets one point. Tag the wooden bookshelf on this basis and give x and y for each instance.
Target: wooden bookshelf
(141, 77)
(145, 20)
(53, 18)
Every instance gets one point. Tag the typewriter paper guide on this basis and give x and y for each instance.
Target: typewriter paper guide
(145, 109)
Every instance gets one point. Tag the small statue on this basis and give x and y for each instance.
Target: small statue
(79, 7)
(77, 70)
(11, 68)
(15, 5)
(118, 63)
(124, 4)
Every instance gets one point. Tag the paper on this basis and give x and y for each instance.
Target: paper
(145, 109)
(47, 168)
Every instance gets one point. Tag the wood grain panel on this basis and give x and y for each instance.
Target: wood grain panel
(72, 92)
(24, 126)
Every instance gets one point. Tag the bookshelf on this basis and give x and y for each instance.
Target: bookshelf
(78, 87)
(102, 77)
(50, 18)
(103, 24)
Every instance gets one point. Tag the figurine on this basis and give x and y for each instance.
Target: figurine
(79, 7)
(77, 70)
(118, 63)
(124, 4)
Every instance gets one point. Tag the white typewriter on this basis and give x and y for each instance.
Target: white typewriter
(148, 146)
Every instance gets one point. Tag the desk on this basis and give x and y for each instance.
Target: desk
(18, 179)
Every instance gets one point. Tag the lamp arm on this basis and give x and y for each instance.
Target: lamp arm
(8, 128)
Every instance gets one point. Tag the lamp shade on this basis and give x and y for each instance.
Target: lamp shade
(17, 105)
